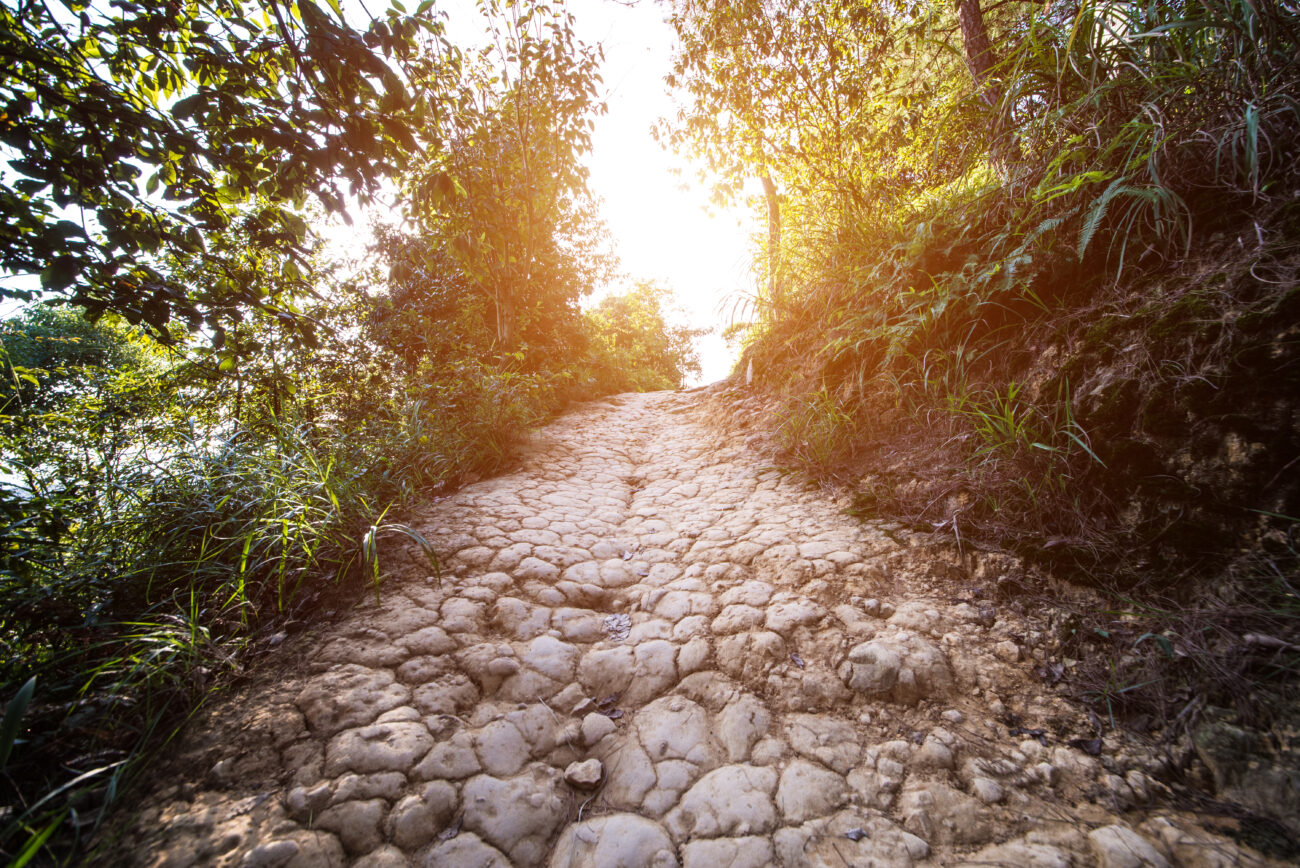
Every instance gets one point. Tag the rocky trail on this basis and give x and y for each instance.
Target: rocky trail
(647, 649)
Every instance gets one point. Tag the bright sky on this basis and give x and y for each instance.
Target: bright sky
(662, 231)
(659, 220)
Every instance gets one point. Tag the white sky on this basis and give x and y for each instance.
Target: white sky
(659, 220)
(661, 230)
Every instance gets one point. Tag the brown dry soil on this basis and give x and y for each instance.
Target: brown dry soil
(646, 648)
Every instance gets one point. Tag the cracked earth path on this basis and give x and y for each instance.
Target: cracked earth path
(646, 649)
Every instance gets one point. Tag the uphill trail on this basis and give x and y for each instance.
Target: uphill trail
(645, 648)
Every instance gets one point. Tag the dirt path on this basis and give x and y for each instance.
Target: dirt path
(646, 649)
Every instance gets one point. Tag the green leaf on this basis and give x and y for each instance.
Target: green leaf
(60, 273)
(12, 722)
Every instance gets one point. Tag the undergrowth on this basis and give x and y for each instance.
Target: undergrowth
(166, 522)
(1053, 312)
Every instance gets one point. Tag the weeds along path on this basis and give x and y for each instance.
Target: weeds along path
(648, 650)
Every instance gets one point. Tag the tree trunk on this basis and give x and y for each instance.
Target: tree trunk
(773, 239)
(981, 59)
(979, 50)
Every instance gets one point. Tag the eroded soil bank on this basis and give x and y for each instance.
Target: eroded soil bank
(646, 648)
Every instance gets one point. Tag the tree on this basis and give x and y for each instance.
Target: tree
(819, 101)
(641, 348)
(503, 210)
(131, 130)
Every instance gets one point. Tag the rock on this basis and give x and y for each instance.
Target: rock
(358, 824)
(876, 842)
(606, 672)
(517, 816)
(569, 699)
(749, 656)
(751, 852)
(743, 722)
(693, 656)
(584, 775)
(1117, 846)
(317, 850)
(901, 667)
(466, 850)
(348, 695)
(1007, 651)
(414, 820)
(501, 749)
(383, 785)
(829, 741)
(535, 569)
(452, 760)
(987, 790)
(394, 746)
(427, 641)
(675, 727)
(551, 657)
(305, 803)
(614, 841)
(733, 800)
(448, 695)
(503, 667)
(934, 754)
(654, 671)
(951, 816)
(384, 857)
(363, 646)
(807, 791)
(785, 616)
(1020, 853)
(596, 726)
(1195, 848)
(629, 774)
(736, 618)
(272, 854)
(578, 625)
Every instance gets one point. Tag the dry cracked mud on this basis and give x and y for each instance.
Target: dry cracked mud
(647, 649)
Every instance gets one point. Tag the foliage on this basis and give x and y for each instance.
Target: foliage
(635, 348)
(503, 214)
(943, 227)
(133, 131)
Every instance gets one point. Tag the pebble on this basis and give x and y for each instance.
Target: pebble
(585, 775)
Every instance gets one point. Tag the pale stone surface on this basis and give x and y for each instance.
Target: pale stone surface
(584, 775)
(379, 747)
(750, 852)
(614, 841)
(349, 695)
(807, 791)
(414, 820)
(733, 800)
(645, 646)
(596, 726)
(358, 824)
(1021, 853)
(901, 667)
(1118, 846)
(517, 816)
(466, 850)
